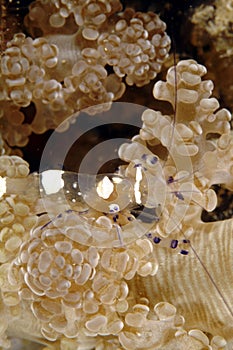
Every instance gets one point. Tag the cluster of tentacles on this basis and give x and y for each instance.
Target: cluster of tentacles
(80, 54)
(60, 292)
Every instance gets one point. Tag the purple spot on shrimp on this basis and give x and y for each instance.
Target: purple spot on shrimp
(174, 243)
(184, 252)
(170, 180)
(137, 165)
(186, 241)
(154, 160)
(68, 211)
(156, 240)
(149, 235)
(144, 156)
(179, 195)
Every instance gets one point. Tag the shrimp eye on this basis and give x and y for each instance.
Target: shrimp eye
(114, 208)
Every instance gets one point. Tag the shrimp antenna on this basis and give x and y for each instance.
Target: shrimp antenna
(175, 79)
(186, 176)
(209, 275)
(191, 246)
(173, 44)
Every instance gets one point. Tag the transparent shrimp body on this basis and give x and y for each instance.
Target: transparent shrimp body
(100, 207)
(113, 210)
(94, 210)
